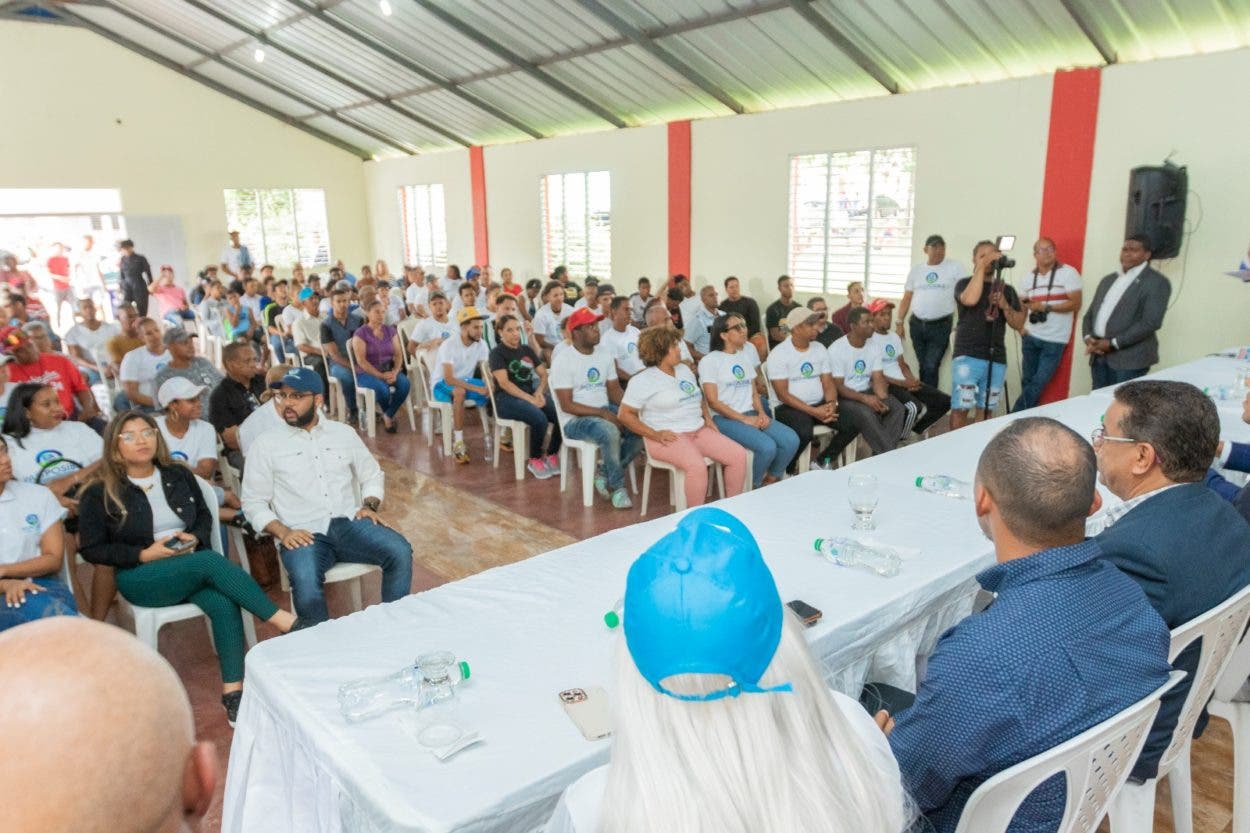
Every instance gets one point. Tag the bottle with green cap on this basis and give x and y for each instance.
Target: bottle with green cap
(614, 617)
(431, 679)
(941, 484)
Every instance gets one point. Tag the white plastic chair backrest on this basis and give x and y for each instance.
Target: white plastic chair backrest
(1096, 763)
(768, 382)
(1220, 630)
(404, 341)
(1237, 672)
(488, 379)
(210, 498)
(425, 367)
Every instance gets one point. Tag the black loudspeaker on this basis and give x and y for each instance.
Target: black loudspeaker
(1156, 207)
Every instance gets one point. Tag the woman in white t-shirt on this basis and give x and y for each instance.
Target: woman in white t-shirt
(664, 406)
(729, 373)
(781, 754)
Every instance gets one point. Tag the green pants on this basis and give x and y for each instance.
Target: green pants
(215, 585)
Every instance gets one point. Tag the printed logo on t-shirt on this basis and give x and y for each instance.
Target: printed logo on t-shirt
(32, 521)
(688, 387)
(931, 278)
(52, 466)
(631, 348)
(890, 351)
(860, 367)
(805, 370)
(592, 375)
(446, 333)
(180, 456)
(738, 372)
(160, 366)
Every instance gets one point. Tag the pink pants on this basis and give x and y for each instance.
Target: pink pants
(687, 453)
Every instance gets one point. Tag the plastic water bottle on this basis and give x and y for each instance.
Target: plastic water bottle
(941, 484)
(1222, 393)
(430, 679)
(884, 561)
(614, 617)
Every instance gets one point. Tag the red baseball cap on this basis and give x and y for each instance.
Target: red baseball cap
(879, 304)
(582, 317)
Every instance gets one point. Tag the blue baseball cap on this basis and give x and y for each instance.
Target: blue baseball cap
(305, 293)
(472, 273)
(701, 600)
(300, 378)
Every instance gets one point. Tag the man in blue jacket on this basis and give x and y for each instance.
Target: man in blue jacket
(1233, 457)
(1187, 549)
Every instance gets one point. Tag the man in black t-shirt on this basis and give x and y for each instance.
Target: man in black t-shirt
(736, 303)
(775, 315)
(987, 307)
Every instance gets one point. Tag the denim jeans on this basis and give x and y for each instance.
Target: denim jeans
(55, 600)
(1104, 375)
(772, 447)
(617, 446)
(930, 339)
(390, 397)
(281, 347)
(348, 384)
(354, 541)
(1038, 362)
(508, 406)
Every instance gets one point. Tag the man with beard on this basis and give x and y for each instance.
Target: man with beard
(319, 527)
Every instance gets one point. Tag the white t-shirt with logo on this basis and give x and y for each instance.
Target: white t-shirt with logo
(416, 295)
(547, 323)
(802, 369)
(199, 443)
(27, 511)
(667, 403)
(733, 375)
(854, 365)
(91, 340)
(585, 375)
(623, 347)
(933, 288)
(889, 351)
(428, 329)
(141, 366)
(1057, 328)
(53, 452)
(463, 358)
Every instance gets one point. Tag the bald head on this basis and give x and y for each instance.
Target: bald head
(87, 696)
(1040, 475)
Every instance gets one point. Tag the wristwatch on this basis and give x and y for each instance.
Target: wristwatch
(372, 504)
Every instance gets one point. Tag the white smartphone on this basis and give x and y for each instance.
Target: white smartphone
(1005, 242)
(588, 709)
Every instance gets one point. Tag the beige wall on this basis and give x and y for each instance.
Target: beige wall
(87, 113)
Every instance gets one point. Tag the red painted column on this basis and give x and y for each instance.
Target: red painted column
(1065, 191)
(678, 198)
(477, 187)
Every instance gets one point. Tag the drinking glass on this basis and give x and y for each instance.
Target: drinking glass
(862, 495)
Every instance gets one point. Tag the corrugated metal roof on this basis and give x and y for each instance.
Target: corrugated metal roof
(568, 66)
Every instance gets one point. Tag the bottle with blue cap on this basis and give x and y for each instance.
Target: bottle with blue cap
(431, 679)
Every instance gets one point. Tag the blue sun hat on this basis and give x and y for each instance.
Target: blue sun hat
(701, 600)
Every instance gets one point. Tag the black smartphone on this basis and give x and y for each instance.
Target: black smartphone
(810, 615)
(177, 544)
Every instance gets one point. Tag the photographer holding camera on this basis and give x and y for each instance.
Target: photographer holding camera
(987, 306)
(1052, 297)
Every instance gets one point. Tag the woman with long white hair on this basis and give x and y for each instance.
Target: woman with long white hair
(723, 723)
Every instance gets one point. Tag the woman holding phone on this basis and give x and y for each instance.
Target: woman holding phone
(145, 516)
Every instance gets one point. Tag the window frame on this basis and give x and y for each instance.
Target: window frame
(264, 255)
(413, 256)
(551, 259)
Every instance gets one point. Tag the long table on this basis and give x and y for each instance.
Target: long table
(534, 628)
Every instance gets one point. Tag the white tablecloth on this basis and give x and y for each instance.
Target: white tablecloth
(534, 628)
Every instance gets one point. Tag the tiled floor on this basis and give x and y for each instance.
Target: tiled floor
(463, 519)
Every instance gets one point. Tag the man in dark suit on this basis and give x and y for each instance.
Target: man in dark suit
(1233, 457)
(1188, 549)
(1120, 325)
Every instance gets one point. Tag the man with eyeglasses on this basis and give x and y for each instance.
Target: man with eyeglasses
(301, 487)
(1052, 296)
(1187, 548)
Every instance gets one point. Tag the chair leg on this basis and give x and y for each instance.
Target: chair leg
(677, 484)
(1239, 719)
(804, 464)
(147, 631)
(520, 440)
(1133, 808)
(445, 419)
(1180, 781)
(646, 488)
(497, 443)
(586, 459)
(564, 467)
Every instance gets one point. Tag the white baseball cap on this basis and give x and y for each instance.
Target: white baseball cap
(178, 387)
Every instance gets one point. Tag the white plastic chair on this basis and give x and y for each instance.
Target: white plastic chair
(587, 453)
(337, 401)
(1223, 704)
(446, 419)
(1095, 764)
(417, 397)
(1220, 629)
(520, 430)
(148, 621)
(366, 399)
(677, 480)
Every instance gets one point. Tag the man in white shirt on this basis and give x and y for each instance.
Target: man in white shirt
(929, 295)
(234, 257)
(300, 486)
(590, 294)
(638, 302)
(416, 293)
(139, 367)
(1052, 295)
(863, 393)
(431, 332)
(459, 361)
(698, 321)
(86, 339)
(806, 397)
(584, 381)
(620, 339)
(547, 330)
(925, 404)
(1121, 322)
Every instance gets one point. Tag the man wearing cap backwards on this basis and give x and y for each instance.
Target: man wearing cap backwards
(583, 378)
(300, 486)
(183, 363)
(1069, 641)
(929, 295)
(925, 404)
(29, 365)
(806, 396)
(863, 392)
(724, 722)
(459, 361)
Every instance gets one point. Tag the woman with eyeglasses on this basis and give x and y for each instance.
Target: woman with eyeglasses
(146, 516)
(377, 350)
(728, 374)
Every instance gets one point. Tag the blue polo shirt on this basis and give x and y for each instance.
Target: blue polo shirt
(1069, 642)
(334, 330)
